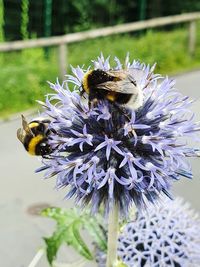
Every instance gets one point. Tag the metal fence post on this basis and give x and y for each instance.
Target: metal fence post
(62, 60)
(192, 37)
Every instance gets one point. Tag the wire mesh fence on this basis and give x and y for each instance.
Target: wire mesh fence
(22, 19)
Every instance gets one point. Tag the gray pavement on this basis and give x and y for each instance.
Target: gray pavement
(20, 187)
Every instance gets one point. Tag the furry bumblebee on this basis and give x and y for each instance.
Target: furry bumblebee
(34, 136)
(118, 86)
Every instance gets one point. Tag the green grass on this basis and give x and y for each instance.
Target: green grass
(24, 74)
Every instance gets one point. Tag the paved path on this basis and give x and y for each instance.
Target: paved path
(20, 188)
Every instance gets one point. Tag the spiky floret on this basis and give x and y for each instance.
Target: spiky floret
(168, 235)
(108, 156)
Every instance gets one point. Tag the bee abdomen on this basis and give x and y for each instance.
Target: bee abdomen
(33, 143)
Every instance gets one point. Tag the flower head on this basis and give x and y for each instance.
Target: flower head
(108, 154)
(166, 236)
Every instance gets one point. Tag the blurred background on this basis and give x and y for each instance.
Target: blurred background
(24, 73)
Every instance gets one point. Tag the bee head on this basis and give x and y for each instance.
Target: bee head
(93, 78)
(43, 148)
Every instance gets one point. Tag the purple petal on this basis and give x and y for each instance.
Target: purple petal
(100, 146)
(108, 149)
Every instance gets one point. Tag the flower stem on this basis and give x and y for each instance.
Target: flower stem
(37, 257)
(112, 237)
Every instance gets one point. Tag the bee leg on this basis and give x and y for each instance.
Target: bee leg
(122, 110)
(82, 93)
(93, 101)
(51, 130)
(47, 157)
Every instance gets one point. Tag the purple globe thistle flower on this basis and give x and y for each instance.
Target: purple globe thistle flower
(167, 236)
(105, 155)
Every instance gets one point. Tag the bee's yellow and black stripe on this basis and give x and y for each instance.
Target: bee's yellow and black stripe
(32, 143)
(86, 81)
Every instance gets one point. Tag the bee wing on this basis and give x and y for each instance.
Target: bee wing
(20, 135)
(25, 126)
(134, 74)
(120, 74)
(123, 86)
(126, 83)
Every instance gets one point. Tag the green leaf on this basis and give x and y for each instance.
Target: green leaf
(61, 216)
(53, 244)
(78, 242)
(97, 232)
(69, 224)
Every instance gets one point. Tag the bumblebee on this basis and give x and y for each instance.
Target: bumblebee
(34, 136)
(118, 86)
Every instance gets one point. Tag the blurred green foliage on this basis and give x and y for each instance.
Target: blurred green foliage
(1, 21)
(24, 19)
(24, 74)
